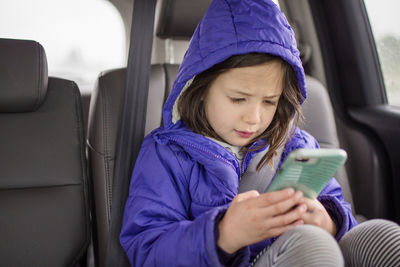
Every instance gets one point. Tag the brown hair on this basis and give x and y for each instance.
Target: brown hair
(192, 111)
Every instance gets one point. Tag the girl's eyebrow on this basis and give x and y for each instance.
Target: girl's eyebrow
(247, 94)
(272, 96)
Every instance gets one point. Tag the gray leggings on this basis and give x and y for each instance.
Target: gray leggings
(372, 243)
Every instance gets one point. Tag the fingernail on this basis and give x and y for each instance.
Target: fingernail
(290, 191)
(303, 207)
(299, 194)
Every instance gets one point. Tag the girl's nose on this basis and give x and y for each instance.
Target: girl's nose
(252, 115)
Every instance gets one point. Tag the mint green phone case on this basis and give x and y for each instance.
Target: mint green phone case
(308, 170)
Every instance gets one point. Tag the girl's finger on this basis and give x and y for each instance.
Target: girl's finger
(269, 198)
(283, 206)
(313, 205)
(308, 217)
(277, 231)
(287, 218)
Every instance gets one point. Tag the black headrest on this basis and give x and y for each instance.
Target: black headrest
(23, 75)
(178, 18)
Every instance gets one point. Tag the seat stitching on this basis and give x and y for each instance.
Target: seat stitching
(39, 81)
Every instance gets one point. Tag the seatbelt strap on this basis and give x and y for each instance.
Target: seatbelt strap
(133, 118)
(260, 180)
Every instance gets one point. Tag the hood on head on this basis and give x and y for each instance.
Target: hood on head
(234, 27)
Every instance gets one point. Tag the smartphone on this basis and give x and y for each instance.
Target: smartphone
(308, 170)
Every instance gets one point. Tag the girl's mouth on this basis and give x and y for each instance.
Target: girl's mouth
(244, 134)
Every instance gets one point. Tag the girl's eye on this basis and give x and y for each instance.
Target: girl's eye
(237, 100)
(270, 102)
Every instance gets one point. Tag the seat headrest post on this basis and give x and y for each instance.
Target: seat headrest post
(23, 75)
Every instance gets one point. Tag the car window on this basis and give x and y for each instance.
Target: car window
(81, 38)
(385, 20)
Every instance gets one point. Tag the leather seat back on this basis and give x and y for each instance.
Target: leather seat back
(104, 117)
(43, 174)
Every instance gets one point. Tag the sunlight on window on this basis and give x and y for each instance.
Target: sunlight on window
(81, 38)
(385, 21)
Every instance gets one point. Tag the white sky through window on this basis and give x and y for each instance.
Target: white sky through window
(81, 37)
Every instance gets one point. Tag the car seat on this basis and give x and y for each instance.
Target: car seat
(43, 174)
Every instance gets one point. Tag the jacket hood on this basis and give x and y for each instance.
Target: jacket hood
(234, 27)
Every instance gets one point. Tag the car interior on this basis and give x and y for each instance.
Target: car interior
(67, 156)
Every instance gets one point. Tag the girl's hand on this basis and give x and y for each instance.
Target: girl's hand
(252, 217)
(317, 215)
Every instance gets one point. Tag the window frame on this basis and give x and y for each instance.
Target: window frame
(356, 87)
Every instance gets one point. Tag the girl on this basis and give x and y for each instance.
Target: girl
(229, 122)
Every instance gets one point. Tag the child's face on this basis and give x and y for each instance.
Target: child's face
(241, 103)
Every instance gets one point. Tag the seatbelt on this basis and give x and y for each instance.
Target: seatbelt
(133, 118)
(260, 180)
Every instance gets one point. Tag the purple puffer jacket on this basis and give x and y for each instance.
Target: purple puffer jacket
(184, 182)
